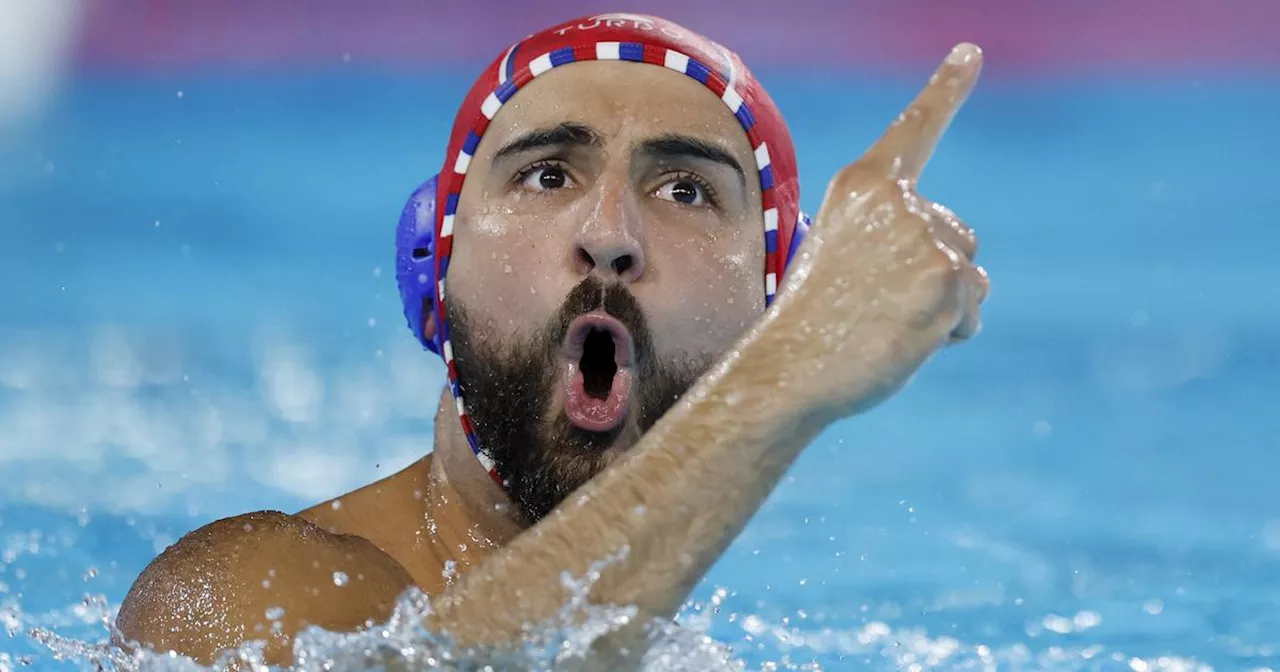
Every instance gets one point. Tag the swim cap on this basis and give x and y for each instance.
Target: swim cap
(424, 238)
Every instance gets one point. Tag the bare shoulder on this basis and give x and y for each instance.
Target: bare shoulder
(257, 577)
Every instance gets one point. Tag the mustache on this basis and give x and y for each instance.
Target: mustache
(617, 301)
(508, 383)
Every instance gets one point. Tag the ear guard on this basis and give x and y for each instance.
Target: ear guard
(416, 260)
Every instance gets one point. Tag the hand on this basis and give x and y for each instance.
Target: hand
(885, 277)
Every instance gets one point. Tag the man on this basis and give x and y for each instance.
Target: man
(600, 264)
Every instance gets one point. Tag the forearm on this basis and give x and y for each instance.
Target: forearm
(669, 509)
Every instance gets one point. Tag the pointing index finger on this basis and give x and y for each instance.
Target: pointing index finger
(908, 144)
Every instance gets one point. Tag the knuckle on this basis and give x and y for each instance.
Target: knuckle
(947, 259)
(983, 282)
(953, 221)
(943, 211)
(942, 271)
(964, 231)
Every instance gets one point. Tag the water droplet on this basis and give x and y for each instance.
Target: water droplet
(337, 504)
(373, 322)
(92, 573)
(377, 271)
(275, 613)
(340, 579)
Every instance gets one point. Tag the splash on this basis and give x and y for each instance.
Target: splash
(683, 645)
(403, 643)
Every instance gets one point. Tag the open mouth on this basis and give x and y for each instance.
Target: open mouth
(597, 364)
(598, 355)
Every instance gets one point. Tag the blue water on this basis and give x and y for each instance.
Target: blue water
(198, 317)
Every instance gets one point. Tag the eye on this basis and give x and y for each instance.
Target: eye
(544, 176)
(687, 189)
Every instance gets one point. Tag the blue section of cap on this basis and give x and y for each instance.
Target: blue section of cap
(802, 229)
(697, 71)
(470, 144)
(631, 51)
(560, 57)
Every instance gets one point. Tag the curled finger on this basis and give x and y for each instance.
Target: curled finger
(952, 230)
(976, 287)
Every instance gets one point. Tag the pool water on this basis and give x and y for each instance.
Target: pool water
(199, 318)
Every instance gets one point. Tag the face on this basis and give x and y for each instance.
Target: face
(608, 247)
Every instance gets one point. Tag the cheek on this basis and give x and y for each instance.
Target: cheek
(718, 297)
(501, 272)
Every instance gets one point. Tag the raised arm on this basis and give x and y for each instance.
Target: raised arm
(885, 280)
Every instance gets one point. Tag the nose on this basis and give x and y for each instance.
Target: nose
(618, 259)
(609, 243)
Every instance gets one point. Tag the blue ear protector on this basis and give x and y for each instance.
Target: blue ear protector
(416, 261)
(415, 258)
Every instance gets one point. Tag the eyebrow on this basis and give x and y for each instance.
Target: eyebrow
(674, 146)
(564, 135)
(668, 147)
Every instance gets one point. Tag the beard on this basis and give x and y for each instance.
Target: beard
(541, 456)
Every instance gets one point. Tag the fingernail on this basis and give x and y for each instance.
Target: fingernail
(964, 53)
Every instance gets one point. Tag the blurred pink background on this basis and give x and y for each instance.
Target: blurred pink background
(1097, 36)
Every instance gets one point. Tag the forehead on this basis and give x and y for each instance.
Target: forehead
(618, 99)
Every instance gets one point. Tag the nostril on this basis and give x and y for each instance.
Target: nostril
(623, 264)
(586, 259)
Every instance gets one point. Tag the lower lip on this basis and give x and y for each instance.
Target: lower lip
(591, 413)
